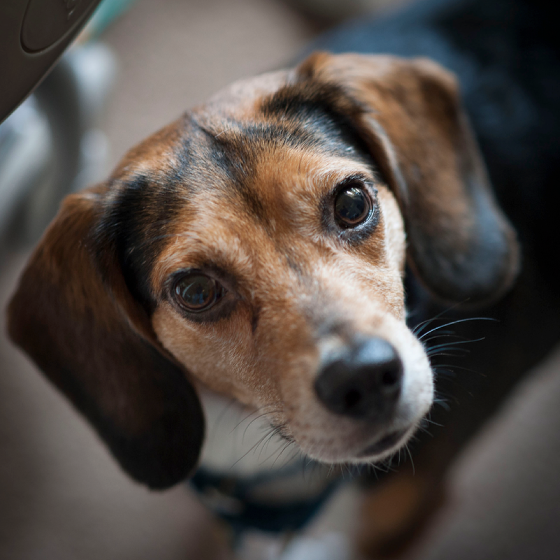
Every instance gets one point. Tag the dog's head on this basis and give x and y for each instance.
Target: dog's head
(257, 246)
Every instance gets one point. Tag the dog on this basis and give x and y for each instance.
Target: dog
(267, 244)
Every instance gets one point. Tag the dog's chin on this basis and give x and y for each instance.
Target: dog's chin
(370, 450)
(384, 446)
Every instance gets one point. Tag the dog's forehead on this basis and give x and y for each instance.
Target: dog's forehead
(242, 98)
(259, 155)
(256, 143)
(243, 124)
(254, 132)
(282, 107)
(253, 187)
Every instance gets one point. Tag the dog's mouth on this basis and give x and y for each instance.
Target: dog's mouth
(383, 444)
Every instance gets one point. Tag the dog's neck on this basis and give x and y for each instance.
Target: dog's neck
(254, 479)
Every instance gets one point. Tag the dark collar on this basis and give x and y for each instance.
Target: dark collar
(275, 501)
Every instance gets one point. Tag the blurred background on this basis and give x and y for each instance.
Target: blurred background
(137, 66)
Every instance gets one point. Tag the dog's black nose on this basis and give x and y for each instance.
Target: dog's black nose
(364, 382)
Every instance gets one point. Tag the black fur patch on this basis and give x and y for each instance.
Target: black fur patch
(136, 221)
(323, 114)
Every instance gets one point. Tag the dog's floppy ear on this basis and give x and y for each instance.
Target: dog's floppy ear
(409, 114)
(73, 314)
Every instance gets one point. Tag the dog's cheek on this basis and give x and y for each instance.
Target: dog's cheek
(379, 265)
(418, 384)
(395, 237)
(220, 355)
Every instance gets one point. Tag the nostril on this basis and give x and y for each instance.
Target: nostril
(390, 378)
(352, 399)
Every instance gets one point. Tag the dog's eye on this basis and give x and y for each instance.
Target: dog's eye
(198, 292)
(352, 205)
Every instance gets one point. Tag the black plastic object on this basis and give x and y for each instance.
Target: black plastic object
(33, 35)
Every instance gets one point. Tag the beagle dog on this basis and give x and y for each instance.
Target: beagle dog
(257, 247)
